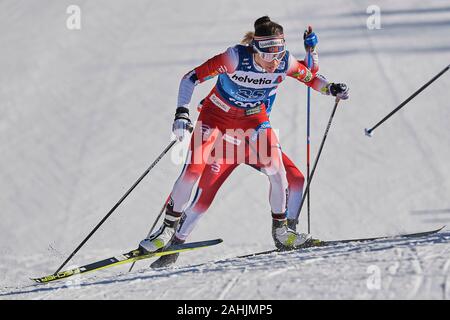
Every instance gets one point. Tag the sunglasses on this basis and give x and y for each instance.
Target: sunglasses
(270, 56)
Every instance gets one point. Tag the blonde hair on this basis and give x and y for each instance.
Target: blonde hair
(248, 38)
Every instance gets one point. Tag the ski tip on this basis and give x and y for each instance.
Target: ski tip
(211, 241)
(214, 241)
(439, 229)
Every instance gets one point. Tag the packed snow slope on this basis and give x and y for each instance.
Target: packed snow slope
(85, 112)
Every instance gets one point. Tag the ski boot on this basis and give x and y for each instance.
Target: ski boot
(170, 259)
(161, 238)
(286, 238)
(292, 224)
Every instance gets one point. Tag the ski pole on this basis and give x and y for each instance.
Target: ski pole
(308, 143)
(369, 131)
(118, 203)
(153, 227)
(318, 156)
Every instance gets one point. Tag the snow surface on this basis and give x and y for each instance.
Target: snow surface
(85, 112)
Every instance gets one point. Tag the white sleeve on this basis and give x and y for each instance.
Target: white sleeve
(186, 89)
(314, 67)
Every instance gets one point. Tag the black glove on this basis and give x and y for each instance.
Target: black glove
(339, 90)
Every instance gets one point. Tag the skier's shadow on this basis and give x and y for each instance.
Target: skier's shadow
(435, 216)
(251, 263)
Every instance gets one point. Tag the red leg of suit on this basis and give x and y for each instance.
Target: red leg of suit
(214, 122)
(216, 174)
(296, 181)
(212, 179)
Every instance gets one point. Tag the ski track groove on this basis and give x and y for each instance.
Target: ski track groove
(278, 272)
(231, 284)
(418, 277)
(446, 282)
(227, 288)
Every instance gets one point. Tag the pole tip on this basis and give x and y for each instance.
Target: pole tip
(368, 132)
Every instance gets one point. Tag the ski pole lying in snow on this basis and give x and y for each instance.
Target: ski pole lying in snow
(171, 144)
(317, 158)
(369, 131)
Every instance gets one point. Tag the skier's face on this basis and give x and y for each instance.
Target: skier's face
(268, 66)
(269, 51)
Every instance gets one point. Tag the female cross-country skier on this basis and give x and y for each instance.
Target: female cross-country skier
(249, 75)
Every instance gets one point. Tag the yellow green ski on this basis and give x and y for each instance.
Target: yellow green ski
(132, 256)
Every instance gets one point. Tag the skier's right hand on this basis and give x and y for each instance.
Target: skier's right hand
(181, 123)
(309, 39)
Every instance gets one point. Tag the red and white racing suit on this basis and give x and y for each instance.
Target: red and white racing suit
(237, 102)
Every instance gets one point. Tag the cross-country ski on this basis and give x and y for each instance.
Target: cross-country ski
(129, 257)
(323, 243)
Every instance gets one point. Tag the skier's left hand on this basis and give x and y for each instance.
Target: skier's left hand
(339, 90)
(309, 39)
